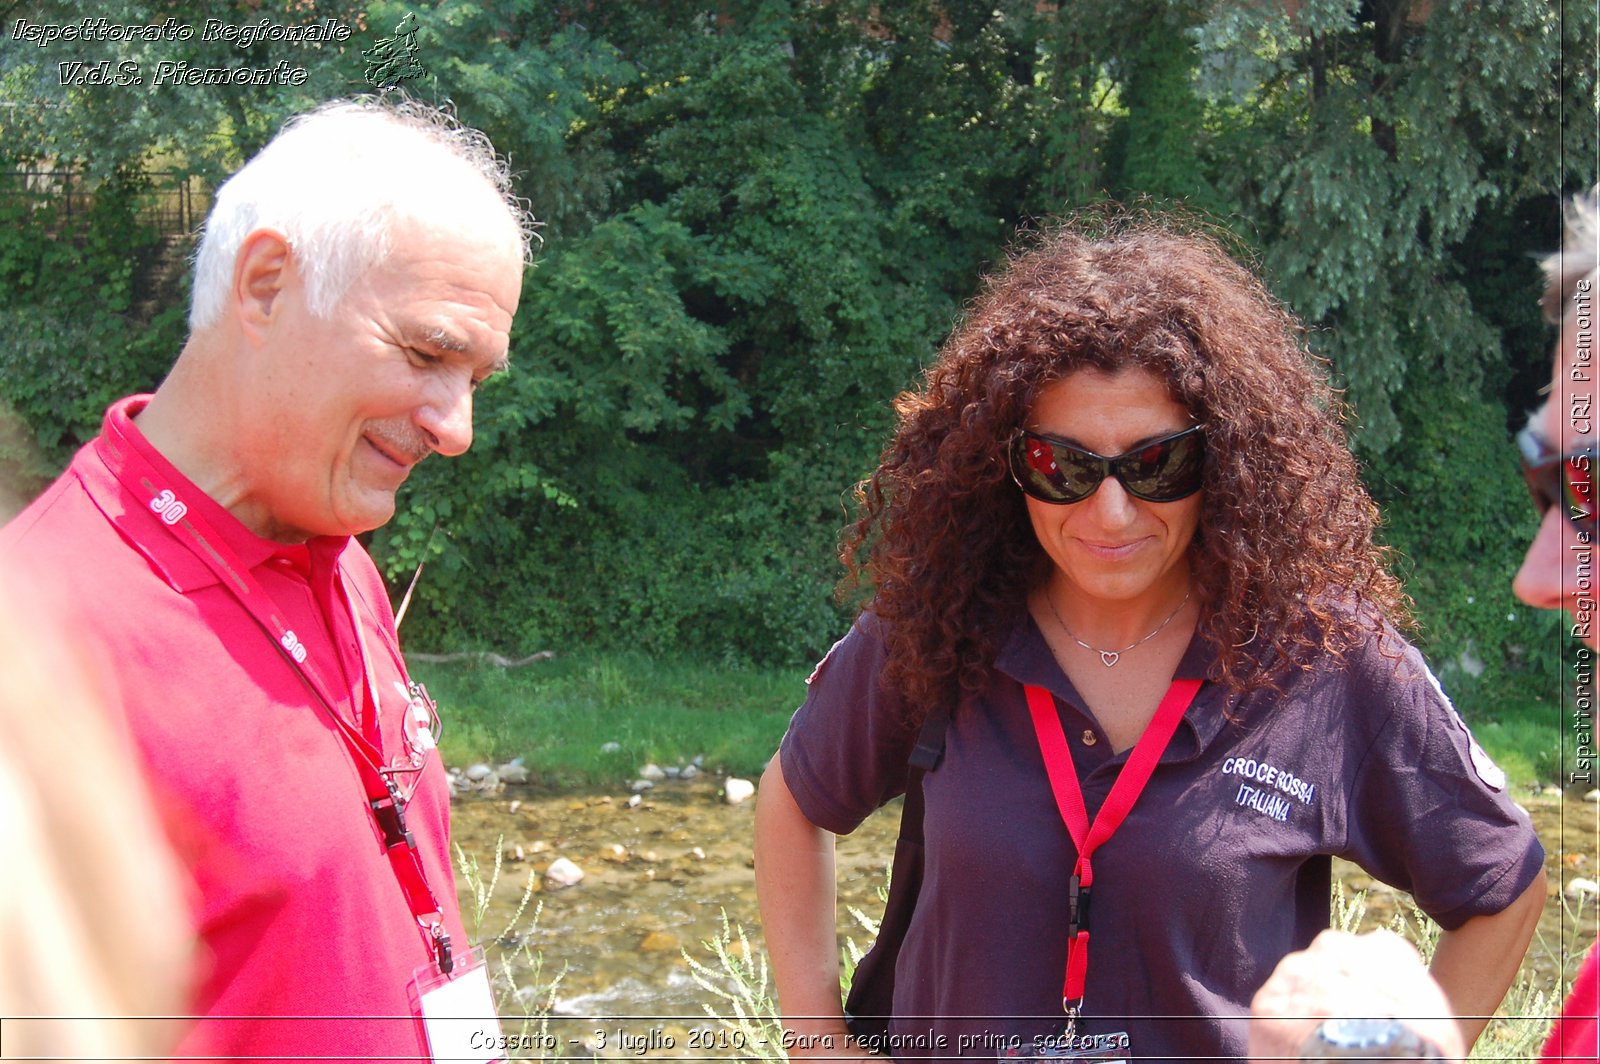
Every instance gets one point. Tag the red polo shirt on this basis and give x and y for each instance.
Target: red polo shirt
(1577, 1033)
(308, 943)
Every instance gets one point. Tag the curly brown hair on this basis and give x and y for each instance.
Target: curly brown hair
(1285, 542)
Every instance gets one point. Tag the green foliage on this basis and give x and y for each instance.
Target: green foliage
(762, 217)
(1365, 151)
(1155, 146)
(79, 333)
(1454, 497)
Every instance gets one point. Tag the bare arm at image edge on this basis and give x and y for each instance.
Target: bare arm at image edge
(796, 889)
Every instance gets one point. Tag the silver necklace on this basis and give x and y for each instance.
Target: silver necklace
(1111, 657)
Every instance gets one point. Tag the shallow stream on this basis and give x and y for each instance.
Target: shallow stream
(660, 874)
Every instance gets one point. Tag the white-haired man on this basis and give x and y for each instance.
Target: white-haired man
(355, 283)
(1378, 977)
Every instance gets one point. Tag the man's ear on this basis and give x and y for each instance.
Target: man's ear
(261, 271)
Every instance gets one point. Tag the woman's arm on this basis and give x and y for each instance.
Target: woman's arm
(796, 888)
(1476, 962)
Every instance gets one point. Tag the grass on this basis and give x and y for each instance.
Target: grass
(1522, 1023)
(559, 716)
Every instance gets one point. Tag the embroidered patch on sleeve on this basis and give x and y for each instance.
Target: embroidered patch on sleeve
(823, 663)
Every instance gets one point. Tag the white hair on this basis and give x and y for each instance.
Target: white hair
(1579, 257)
(332, 183)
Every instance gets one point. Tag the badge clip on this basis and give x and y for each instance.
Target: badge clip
(1077, 907)
(391, 818)
(441, 946)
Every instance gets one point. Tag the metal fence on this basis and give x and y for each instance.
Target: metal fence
(174, 204)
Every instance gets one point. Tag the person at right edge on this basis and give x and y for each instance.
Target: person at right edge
(1119, 539)
(1376, 978)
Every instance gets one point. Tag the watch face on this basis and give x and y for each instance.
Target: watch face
(1367, 1039)
(1363, 1033)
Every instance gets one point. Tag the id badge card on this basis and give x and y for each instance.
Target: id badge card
(457, 1012)
(1048, 1049)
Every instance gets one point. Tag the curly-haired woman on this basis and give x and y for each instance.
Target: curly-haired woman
(1119, 541)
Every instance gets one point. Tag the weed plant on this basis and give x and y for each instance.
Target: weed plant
(524, 997)
(736, 978)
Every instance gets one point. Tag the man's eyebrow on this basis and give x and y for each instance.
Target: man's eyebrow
(444, 340)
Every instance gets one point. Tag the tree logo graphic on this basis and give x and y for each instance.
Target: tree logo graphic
(394, 59)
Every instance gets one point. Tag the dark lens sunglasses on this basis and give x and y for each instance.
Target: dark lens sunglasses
(1056, 471)
(1565, 480)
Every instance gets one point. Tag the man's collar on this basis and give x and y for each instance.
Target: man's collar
(105, 477)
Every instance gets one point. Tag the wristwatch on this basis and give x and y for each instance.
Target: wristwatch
(1371, 1039)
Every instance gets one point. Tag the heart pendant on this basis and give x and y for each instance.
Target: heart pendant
(1109, 657)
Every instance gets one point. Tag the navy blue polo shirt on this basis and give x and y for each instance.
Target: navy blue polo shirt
(1221, 869)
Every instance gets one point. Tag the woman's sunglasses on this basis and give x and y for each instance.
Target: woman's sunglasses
(1565, 480)
(1056, 471)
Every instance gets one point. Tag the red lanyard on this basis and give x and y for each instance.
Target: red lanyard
(144, 481)
(1069, 800)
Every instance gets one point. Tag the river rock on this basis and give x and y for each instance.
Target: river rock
(479, 772)
(1578, 887)
(652, 771)
(658, 942)
(1592, 796)
(689, 772)
(639, 786)
(697, 854)
(633, 802)
(1551, 792)
(698, 761)
(512, 773)
(562, 873)
(610, 748)
(736, 790)
(616, 853)
(513, 806)
(539, 846)
(514, 854)
(673, 771)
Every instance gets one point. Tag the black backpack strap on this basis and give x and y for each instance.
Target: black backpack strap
(930, 740)
(871, 999)
(924, 758)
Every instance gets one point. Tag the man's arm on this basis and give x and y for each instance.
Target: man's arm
(1376, 974)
